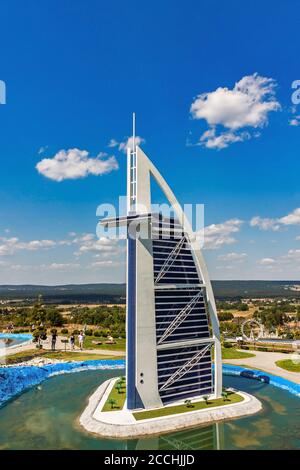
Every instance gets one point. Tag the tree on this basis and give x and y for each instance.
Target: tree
(119, 387)
(225, 395)
(112, 403)
(38, 313)
(188, 403)
(54, 317)
(39, 334)
(205, 398)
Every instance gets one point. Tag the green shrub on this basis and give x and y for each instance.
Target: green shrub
(89, 332)
(64, 331)
(227, 345)
(76, 332)
(97, 333)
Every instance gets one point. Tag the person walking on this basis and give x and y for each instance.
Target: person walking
(53, 340)
(80, 340)
(72, 341)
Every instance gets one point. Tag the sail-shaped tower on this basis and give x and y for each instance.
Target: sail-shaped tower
(171, 318)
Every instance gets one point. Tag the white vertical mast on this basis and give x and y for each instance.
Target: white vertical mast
(131, 172)
(133, 132)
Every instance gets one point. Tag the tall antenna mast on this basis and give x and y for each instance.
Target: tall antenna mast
(133, 132)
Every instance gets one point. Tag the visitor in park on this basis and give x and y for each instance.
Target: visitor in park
(53, 340)
(81, 339)
(72, 341)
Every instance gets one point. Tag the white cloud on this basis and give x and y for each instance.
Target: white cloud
(276, 224)
(106, 264)
(267, 262)
(221, 141)
(217, 235)
(291, 219)
(238, 257)
(113, 143)
(265, 223)
(122, 146)
(295, 121)
(292, 255)
(62, 266)
(75, 163)
(101, 247)
(8, 246)
(42, 149)
(289, 262)
(44, 267)
(246, 106)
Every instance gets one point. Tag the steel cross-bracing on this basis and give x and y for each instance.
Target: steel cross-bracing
(180, 317)
(170, 259)
(185, 368)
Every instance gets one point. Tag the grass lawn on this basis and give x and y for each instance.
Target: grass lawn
(66, 356)
(232, 353)
(289, 365)
(118, 397)
(119, 346)
(199, 405)
(82, 356)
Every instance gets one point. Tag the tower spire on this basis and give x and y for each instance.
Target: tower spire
(133, 132)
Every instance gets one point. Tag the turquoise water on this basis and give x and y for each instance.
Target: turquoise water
(46, 418)
(14, 339)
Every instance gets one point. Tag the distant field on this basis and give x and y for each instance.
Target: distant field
(115, 293)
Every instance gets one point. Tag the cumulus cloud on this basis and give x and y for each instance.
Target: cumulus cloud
(295, 121)
(62, 266)
(292, 218)
(103, 249)
(217, 235)
(265, 223)
(237, 257)
(44, 267)
(8, 246)
(75, 163)
(288, 262)
(122, 146)
(106, 264)
(236, 111)
(267, 261)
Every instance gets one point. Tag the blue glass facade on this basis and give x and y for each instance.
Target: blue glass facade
(183, 355)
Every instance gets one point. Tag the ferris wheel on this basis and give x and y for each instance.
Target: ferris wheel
(252, 329)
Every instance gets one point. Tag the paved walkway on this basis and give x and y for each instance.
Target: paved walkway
(61, 347)
(266, 361)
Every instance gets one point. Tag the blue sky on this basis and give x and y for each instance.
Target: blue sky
(74, 73)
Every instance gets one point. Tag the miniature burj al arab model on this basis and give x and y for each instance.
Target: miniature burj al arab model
(172, 323)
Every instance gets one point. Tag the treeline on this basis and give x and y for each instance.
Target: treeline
(102, 317)
(241, 306)
(37, 315)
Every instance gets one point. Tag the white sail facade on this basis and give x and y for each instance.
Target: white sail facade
(171, 318)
